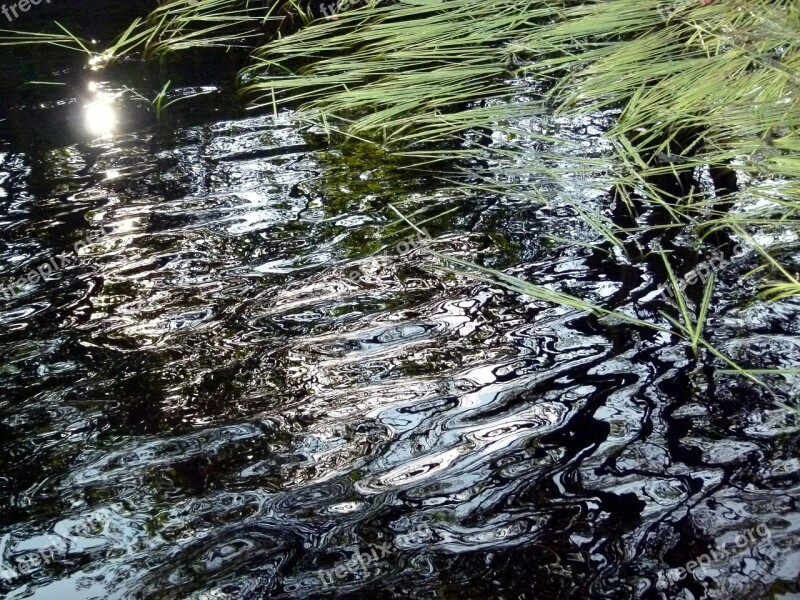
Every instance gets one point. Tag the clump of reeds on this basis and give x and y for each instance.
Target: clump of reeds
(697, 85)
(711, 85)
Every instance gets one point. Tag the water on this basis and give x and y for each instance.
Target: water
(255, 386)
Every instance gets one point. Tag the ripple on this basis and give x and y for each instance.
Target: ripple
(253, 385)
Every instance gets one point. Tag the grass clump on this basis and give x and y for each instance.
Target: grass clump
(696, 86)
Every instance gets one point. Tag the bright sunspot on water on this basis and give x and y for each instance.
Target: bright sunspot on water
(100, 116)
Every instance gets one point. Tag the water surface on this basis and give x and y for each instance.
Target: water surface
(257, 375)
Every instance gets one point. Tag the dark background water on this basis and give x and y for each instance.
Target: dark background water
(248, 382)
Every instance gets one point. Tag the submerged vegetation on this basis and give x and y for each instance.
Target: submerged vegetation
(700, 92)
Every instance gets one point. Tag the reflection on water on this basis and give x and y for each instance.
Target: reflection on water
(100, 115)
(248, 417)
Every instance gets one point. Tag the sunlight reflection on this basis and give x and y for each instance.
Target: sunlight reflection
(98, 61)
(100, 116)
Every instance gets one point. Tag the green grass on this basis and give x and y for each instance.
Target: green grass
(702, 87)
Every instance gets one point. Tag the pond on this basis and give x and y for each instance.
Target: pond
(229, 370)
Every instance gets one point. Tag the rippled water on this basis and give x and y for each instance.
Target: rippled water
(247, 382)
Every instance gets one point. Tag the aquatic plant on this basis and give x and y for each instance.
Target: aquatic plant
(697, 85)
(66, 39)
(159, 103)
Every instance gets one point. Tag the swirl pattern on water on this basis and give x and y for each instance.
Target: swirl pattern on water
(248, 415)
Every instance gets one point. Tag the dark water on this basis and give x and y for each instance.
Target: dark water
(255, 375)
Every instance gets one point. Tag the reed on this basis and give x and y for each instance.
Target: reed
(696, 86)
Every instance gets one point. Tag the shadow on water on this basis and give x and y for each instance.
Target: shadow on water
(254, 385)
